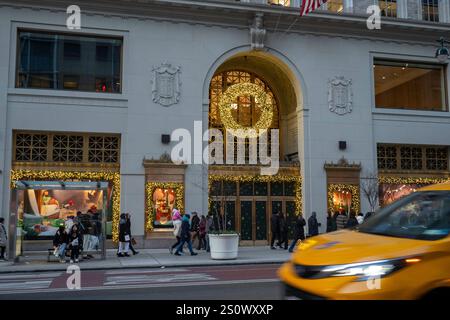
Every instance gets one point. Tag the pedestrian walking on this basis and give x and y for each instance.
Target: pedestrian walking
(185, 236)
(209, 229)
(195, 227)
(352, 221)
(313, 225)
(202, 233)
(3, 239)
(275, 229)
(176, 218)
(283, 232)
(331, 222)
(341, 221)
(299, 232)
(124, 237)
(60, 241)
(132, 241)
(74, 243)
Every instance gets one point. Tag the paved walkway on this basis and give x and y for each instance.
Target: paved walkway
(148, 258)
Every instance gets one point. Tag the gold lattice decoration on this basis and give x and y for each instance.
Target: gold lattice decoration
(150, 187)
(111, 177)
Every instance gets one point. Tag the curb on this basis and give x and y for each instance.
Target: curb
(63, 267)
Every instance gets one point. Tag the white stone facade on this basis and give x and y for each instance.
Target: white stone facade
(199, 41)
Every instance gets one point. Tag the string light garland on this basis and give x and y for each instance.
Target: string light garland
(150, 188)
(411, 180)
(354, 191)
(258, 178)
(262, 99)
(111, 177)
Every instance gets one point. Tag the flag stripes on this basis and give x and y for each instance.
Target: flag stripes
(310, 5)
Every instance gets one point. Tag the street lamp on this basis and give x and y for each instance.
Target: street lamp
(442, 53)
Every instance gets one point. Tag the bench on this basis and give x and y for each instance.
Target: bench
(68, 253)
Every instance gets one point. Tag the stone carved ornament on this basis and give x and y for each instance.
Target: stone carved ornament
(166, 84)
(340, 95)
(257, 33)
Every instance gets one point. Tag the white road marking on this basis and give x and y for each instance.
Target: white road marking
(143, 286)
(29, 276)
(158, 278)
(138, 271)
(26, 285)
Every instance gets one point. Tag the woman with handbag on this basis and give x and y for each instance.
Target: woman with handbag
(132, 242)
(176, 218)
(124, 237)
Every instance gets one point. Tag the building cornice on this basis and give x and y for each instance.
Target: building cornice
(222, 13)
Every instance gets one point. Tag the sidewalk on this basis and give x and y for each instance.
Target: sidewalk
(147, 258)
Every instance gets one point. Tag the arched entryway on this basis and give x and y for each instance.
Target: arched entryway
(239, 193)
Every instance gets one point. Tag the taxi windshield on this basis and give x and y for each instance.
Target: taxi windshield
(421, 215)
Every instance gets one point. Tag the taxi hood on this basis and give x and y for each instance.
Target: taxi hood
(347, 246)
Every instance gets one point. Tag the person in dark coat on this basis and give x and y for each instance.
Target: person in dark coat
(128, 216)
(195, 228)
(3, 239)
(352, 221)
(299, 232)
(275, 228)
(185, 236)
(60, 242)
(283, 231)
(331, 222)
(313, 225)
(74, 243)
(124, 237)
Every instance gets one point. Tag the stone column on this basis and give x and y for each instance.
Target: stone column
(444, 11)
(348, 6)
(402, 9)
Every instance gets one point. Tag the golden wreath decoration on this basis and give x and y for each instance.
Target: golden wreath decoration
(262, 99)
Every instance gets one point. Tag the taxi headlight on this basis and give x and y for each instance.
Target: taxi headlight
(364, 270)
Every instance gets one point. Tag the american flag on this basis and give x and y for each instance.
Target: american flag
(310, 5)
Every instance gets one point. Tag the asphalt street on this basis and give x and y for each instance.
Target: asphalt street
(255, 282)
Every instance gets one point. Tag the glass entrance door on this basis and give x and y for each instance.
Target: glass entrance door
(246, 220)
(261, 220)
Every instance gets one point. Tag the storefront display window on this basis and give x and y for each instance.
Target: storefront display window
(42, 211)
(344, 198)
(392, 192)
(164, 200)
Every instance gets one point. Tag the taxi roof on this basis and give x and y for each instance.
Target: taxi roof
(437, 187)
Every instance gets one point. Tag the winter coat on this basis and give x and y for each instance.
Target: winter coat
(202, 227)
(185, 233)
(195, 223)
(60, 238)
(299, 231)
(128, 226)
(176, 227)
(123, 230)
(3, 235)
(331, 224)
(313, 226)
(341, 221)
(75, 236)
(209, 224)
(275, 224)
(283, 226)
(351, 222)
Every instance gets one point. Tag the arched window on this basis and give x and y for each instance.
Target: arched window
(246, 112)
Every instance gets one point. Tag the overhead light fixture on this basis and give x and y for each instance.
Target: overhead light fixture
(442, 52)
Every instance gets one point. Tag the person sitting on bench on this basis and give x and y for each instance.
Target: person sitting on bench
(60, 242)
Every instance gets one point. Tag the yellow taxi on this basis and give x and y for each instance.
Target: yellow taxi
(400, 252)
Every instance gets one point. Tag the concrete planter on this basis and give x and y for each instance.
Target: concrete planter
(224, 246)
